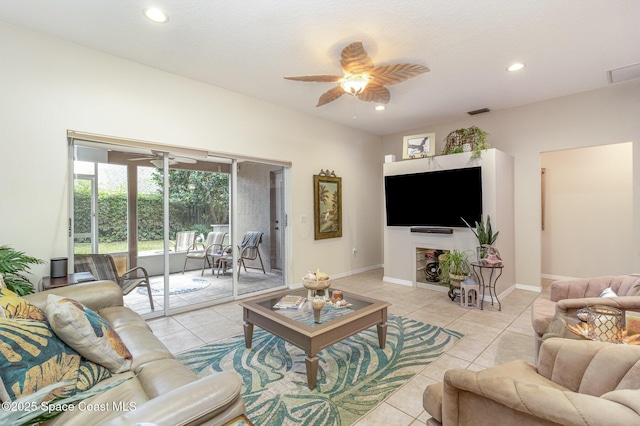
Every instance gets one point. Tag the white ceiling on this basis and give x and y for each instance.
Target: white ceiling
(247, 46)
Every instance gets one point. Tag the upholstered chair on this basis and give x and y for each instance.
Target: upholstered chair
(549, 317)
(574, 382)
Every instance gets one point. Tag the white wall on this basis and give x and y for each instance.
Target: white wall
(598, 117)
(588, 211)
(50, 86)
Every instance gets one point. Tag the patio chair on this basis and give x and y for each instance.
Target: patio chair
(212, 246)
(102, 267)
(249, 250)
(184, 240)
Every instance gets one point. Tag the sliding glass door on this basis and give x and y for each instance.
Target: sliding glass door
(202, 237)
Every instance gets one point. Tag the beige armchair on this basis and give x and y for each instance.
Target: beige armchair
(550, 317)
(575, 382)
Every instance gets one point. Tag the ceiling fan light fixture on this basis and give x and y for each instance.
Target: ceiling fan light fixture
(380, 107)
(515, 67)
(354, 84)
(158, 163)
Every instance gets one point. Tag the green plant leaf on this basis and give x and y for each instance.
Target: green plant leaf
(13, 265)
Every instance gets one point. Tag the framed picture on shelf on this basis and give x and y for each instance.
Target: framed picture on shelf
(418, 146)
(327, 200)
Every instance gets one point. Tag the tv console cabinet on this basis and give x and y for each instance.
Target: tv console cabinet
(402, 243)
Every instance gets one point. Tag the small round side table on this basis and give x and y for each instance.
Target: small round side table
(496, 272)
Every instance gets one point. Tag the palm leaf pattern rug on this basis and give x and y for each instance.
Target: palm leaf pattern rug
(354, 375)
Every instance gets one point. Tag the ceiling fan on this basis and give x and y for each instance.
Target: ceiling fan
(361, 78)
(156, 159)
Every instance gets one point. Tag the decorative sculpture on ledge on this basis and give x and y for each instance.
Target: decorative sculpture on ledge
(327, 173)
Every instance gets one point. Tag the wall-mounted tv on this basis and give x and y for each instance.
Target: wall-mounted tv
(436, 198)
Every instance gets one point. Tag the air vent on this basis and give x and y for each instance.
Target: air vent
(479, 111)
(618, 75)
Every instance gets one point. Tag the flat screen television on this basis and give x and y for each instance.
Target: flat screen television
(437, 198)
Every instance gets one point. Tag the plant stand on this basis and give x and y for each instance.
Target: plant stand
(454, 285)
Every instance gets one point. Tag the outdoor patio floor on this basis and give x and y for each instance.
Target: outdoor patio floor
(192, 288)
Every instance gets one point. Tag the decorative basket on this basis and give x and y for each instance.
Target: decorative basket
(316, 285)
(455, 279)
(605, 323)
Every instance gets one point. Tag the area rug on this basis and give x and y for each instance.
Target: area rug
(354, 375)
(179, 285)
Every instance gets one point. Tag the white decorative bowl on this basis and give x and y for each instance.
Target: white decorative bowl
(316, 285)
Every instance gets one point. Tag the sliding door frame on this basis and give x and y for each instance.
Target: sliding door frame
(167, 150)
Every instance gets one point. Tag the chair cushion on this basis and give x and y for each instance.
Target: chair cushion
(15, 306)
(88, 333)
(34, 357)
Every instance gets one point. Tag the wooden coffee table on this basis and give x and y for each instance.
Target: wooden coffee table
(298, 328)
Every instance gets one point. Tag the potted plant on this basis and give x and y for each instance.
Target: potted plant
(484, 234)
(469, 139)
(455, 268)
(13, 265)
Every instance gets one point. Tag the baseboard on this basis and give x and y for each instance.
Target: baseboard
(527, 287)
(341, 275)
(556, 277)
(505, 293)
(355, 271)
(397, 281)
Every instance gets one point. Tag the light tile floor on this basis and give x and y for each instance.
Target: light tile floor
(491, 337)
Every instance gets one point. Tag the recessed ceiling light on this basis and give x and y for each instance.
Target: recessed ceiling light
(156, 15)
(380, 108)
(515, 67)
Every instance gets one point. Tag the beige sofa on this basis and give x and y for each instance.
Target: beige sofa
(550, 317)
(575, 382)
(164, 391)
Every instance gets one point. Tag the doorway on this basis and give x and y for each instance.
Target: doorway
(276, 201)
(587, 211)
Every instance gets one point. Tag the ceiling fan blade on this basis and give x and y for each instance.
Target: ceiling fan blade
(375, 93)
(330, 95)
(397, 73)
(317, 78)
(141, 159)
(182, 160)
(355, 60)
(158, 163)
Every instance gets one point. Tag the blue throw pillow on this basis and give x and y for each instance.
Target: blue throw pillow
(32, 357)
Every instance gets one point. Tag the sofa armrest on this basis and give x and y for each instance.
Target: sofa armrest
(95, 295)
(216, 396)
(550, 404)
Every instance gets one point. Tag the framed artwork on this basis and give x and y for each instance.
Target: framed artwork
(418, 146)
(327, 200)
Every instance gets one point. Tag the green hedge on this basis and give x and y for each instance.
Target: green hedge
(112, 216)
